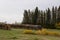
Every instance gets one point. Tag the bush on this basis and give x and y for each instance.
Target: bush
(45, 32)
(42, 32)
(28, 32)
(38, 32)
(50, 33)
(56, 34)
(53, 33)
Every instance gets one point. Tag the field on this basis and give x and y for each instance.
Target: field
(17, 34)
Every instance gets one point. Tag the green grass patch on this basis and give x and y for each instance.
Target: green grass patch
(17, 34)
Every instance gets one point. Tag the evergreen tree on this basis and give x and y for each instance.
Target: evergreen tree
(56, 14)
(53, 17)
(39, 18)
(35, 16)
(26, 17)
(42, 20)
(48, 21)
(59, 14)
(29, 16)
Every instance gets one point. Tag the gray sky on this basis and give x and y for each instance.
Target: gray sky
(12, 10)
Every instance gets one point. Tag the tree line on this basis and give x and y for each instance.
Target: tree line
(47, 18)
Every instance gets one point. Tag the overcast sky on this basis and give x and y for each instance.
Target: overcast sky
(12, 10)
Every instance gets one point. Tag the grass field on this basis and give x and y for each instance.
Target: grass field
(17, 34)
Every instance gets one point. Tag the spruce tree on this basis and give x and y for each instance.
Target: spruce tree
(35, 16)
(39, 18)
(53, 17)
(59, 14)
(56, 13)
(42, 20)
(48, 21)
(25, 18)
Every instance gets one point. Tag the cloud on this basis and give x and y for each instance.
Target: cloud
(12, 10)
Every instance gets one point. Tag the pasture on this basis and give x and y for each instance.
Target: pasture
(17, 34)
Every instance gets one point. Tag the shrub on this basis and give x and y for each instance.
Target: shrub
(38, 32)
(56, 34)
(50, 33)
(28, 32)
(53, 33)
(45, 32)
(42, 32)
